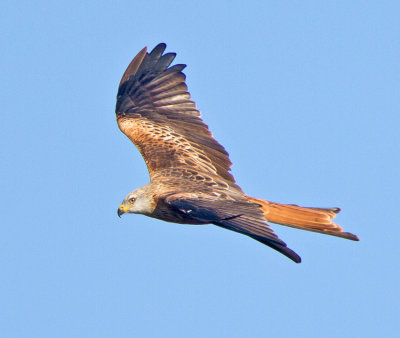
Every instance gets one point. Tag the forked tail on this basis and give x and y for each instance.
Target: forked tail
(310, 219)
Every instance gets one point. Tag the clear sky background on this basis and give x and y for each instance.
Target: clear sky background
(305, 97)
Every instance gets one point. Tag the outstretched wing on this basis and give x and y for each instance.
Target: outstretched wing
(155, 111)
(245, 218)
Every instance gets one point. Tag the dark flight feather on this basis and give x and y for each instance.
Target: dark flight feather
(242, 217)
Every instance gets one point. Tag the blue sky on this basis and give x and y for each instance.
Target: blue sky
(305, 97)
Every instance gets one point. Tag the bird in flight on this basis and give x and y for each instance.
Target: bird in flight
(190, 179)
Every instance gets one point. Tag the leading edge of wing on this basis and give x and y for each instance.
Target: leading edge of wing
(242, 217)
(154, 106)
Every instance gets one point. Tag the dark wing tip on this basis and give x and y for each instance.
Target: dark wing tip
(281, 248)
(158, 50)
(133, 66)
(140, 59)
(352, 237)
(144, 68)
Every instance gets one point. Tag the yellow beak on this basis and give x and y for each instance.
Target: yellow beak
(122, 210)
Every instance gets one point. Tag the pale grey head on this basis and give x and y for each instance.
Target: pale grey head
(139, 201)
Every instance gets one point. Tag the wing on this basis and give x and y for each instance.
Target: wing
(242, 217)
(155, 111)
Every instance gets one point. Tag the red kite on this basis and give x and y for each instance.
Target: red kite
(190, 179)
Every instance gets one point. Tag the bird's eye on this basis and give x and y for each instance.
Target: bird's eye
(132, 200)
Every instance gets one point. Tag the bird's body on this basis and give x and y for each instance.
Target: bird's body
(190, 179)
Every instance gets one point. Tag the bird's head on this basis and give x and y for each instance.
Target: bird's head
(139, 201)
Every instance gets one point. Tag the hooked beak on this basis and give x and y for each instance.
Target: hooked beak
(121, 210)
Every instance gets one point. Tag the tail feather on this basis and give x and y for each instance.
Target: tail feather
(310, 219)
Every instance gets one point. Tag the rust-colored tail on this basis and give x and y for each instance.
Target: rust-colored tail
(310, 219)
